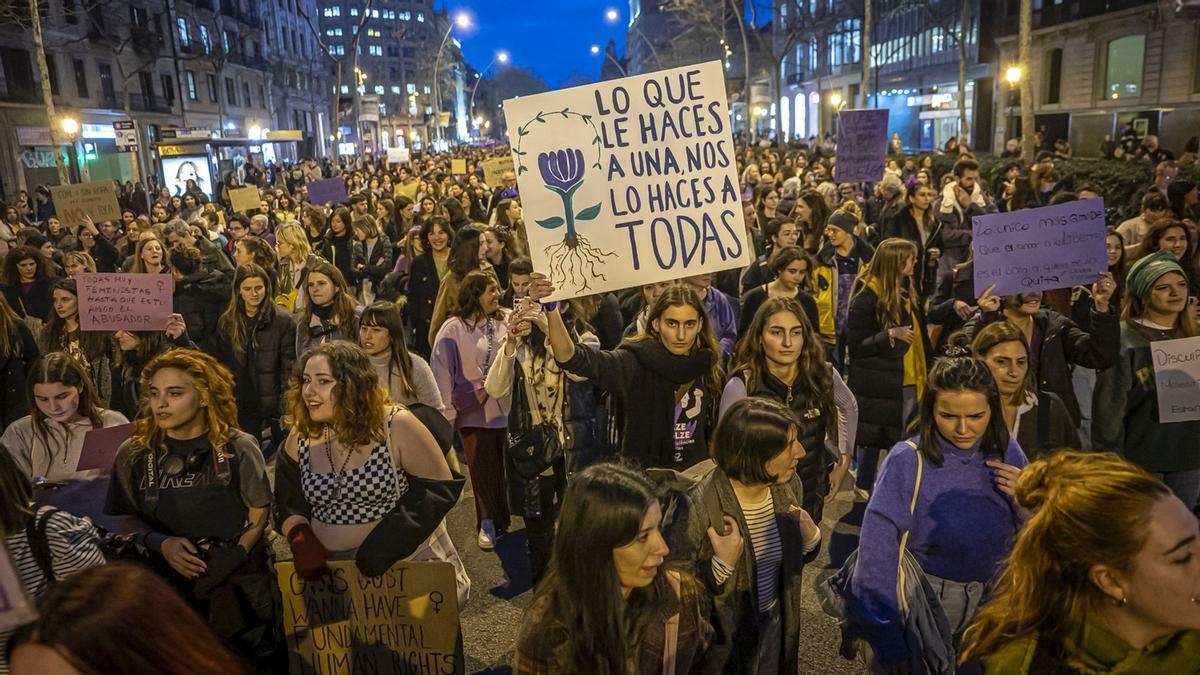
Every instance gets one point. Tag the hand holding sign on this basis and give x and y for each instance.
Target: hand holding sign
(132, 302)
(1102, 292)
(988, 302)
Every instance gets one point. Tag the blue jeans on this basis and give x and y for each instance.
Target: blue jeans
(1185, 485)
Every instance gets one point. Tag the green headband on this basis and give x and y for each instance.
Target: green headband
(1150, 269)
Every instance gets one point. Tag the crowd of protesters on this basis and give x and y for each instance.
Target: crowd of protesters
(331, 374)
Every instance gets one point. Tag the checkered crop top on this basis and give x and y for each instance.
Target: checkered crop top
(365, 495)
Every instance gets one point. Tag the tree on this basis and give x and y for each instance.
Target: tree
(29, 16)
(337, 62)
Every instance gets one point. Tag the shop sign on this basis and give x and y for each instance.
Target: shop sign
(33, 136)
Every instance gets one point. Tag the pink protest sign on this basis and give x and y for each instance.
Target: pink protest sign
(134, 302)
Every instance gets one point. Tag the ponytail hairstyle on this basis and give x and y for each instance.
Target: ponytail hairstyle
(885, 275)
(680, 295)
(958, 371)
(60, 368)
(1088, 509)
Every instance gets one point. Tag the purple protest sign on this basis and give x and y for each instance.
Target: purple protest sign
(124, 301)
(861, 145)
(1040, 249)
(328, 191)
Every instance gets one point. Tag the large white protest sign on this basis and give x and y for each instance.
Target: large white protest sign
(1177, 379)
(629, 181)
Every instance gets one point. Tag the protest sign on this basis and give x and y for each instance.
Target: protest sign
(458, 166)
(118, 301)
(1177, 379)
(244, 199)
(74, 203)
(328, 191)
(16, 608)
(100, 446)
(630, 181)
(861, 145)
(405, 621)
(1040, 249)
(494, 168)
(397, 155)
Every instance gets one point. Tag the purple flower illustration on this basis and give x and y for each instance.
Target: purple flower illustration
(562, 173)
(562, 170)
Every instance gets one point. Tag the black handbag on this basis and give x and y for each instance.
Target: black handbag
(532, 448)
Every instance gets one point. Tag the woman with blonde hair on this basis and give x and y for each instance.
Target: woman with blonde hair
(76, 262)
(201, 485)
(295, 258)
(1103, 578)
(888, 347)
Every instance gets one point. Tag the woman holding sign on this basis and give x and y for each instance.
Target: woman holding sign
(201, 486)
(1126, 416)
(668, 379)
(47, 442)
(95, 350)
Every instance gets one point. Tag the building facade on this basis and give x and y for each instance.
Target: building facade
(1098, 65)
(224, 66)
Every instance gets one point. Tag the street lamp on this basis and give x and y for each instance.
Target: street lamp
(70, 127)
(835, 99)
(502, 57)
(595, 49)
(462, 20)
(1013, 75)
(612, 15)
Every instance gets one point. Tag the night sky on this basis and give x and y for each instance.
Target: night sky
(552, 38)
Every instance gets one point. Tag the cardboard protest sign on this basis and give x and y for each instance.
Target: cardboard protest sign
(109, 301)
(631, 181)
(397, 155)
(405, 621)
(1040, 249)
(1177, 379)
(328, 191)
(244, 199)
(97, 199)
(458, 166)
(16, 607)
(861, 145)
(494, 168)
(100, 447)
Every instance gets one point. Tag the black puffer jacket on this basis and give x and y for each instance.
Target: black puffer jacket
(1063, 343)
(423, 285)
(201, 297)
(273, 351)
(876, 371)
(14, 368)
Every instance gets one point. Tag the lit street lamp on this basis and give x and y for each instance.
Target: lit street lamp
(70, 127)
(1013, 75)
(462, 20)
(612, 15)
(502, 57)
(608, 55)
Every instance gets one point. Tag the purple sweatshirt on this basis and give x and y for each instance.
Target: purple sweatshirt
(462, 354)
(962, 529)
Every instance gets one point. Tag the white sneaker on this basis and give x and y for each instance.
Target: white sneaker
(487, 538)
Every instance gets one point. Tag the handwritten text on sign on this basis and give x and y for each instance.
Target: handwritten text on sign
(1177, 379)
(629, 181)
(74, 203)
(124, 301)
(405, 621)
(1040, 249)
(861, 144)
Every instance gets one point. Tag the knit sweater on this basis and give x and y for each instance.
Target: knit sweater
(462, 354)
(424, 385)
(1125, 409)
(961, 529)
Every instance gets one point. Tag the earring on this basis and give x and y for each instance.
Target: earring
(1123, 601)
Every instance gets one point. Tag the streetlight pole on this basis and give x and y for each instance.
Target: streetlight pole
(502, 57)
(461, 20)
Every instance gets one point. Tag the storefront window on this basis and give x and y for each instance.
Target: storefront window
(1124, 76)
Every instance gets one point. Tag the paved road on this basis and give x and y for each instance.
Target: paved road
(500, 591)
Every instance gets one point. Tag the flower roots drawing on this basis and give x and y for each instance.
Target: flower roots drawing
(574, 259)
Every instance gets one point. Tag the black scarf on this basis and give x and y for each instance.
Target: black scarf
(649, 405)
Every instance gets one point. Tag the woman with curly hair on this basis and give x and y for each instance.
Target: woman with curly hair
(201, 486)
(359, 476)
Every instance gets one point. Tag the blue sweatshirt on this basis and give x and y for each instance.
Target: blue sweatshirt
(962, 529)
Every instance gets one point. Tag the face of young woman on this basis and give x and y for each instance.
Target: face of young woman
(174, 400)
(127, 341)
(427, 207)
(152, 253)
(27, 269)
(66, 304)
(316, 387)
(1174, 239)
(57, 401)
(1169, 294)
(638, 561)
(374, 340)
(53, 225)
(242, 254)
(783, 465)
(678, 327)
(771, 201)
(1112, 246)
(252, 291)
(1009, 363)
(787, 236)
(1028, 303)
(650, 292)
(47, 249)
(802, 212)
(283, 248)
(923, 197)
(493, 247)
(962, 417)
(74, 267)
(438, 239)
(836, 235)
(1166, 572)
(320, 289)
(489, 301)
(782, 338)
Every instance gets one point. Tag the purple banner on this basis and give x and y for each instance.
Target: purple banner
(861, 145)
(328, 191)
(1040, 249)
